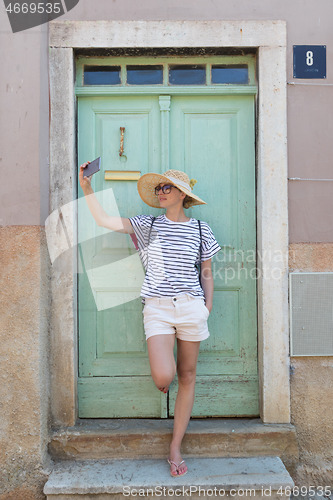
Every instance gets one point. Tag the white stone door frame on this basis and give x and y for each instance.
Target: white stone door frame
(269, 38)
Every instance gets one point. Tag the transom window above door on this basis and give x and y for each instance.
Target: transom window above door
(170, 72)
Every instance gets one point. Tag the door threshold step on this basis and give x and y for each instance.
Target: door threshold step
(255, 477)
(149, 438)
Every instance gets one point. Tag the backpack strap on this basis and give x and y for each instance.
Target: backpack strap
(200, 249)
(135, 239)
(150, 230)
(198, 266)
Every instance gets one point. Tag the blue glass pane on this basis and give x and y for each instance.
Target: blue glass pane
(101, 75)
(187, 75)
(144, 75)
(230, 74)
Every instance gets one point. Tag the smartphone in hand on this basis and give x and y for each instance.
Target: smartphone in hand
(92, 168)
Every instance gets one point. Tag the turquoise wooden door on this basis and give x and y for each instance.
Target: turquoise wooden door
(114, 373)
(212, 139)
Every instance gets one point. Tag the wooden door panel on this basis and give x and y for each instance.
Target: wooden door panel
(119, 397)
(114, 372)
(212, 139)
(238, 393)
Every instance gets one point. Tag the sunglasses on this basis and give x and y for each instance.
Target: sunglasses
(166, 188)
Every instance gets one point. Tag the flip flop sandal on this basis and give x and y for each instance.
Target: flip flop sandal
(176, 473)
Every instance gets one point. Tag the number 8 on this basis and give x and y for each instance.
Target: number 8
(309, 58)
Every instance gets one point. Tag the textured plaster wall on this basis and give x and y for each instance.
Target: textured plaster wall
(24, 98)
(312, 410)
(311, 257)
(311, 386)
(23, 360)
(24, 121)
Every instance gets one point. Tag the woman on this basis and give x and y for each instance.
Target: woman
(177, 301)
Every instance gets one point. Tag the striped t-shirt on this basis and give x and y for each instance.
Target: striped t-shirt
(172, 253)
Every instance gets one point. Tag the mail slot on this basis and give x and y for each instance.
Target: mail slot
(122, 175)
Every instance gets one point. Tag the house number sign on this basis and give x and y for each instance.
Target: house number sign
(309, 61)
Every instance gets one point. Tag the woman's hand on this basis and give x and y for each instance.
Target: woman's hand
(115, 223)
(209, 307)
(85, 182)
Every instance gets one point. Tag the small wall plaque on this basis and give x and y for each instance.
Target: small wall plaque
(309, 61)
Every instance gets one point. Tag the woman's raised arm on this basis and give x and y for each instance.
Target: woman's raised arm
(120, 224)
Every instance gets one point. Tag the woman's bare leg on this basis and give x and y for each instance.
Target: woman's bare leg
(187, 356)
(162, 361)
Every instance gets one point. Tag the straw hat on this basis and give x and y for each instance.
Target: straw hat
(148, 182)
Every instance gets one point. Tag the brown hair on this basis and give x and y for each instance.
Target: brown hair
(187, 202)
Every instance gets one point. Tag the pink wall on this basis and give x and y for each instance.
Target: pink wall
(24, 105)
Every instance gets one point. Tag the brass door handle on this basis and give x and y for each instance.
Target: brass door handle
(122, 132)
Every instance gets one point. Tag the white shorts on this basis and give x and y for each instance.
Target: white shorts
(183, 315)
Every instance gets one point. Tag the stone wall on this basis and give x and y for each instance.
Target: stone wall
(24, 383)
(311, 386)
